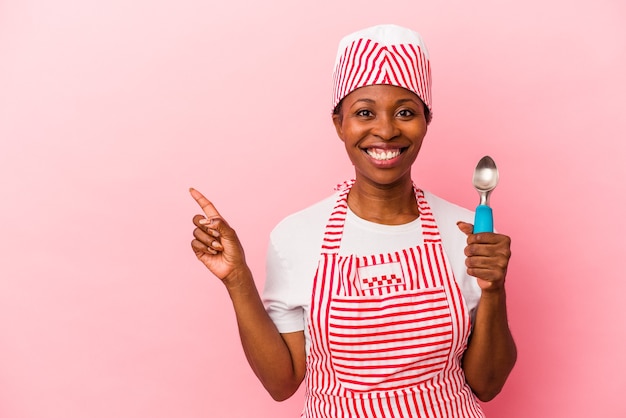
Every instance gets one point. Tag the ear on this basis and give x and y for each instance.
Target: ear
(337, 121)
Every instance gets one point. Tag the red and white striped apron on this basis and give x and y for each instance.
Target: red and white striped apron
(388, 331)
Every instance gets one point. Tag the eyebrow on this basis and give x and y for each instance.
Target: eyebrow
(406, 100)
(398, 102)
(365, 100)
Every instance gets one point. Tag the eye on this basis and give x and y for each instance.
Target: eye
(406, 113)
(365, 113)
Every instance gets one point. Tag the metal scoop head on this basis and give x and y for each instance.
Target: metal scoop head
(485, 178)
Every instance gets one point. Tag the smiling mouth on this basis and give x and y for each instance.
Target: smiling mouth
(384, 155)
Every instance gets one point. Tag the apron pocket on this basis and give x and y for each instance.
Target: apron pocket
(389, 342)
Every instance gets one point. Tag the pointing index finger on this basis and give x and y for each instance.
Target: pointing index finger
(207, 207)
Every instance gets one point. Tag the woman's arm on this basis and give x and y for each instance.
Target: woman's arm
(277, 360)
(491, 353)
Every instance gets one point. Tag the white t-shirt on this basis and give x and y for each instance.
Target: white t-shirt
(295, 247)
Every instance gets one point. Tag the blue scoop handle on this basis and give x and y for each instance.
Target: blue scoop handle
(483, 219)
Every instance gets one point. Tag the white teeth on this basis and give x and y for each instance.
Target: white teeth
(382, 155)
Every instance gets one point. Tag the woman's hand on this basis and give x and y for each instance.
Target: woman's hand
(215, 243)
(491, 353)
(488, 257)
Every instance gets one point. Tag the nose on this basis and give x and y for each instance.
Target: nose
(385, 127)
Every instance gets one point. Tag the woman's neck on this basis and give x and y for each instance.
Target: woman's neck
(387, 205)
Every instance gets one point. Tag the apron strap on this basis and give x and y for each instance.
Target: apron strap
(334, 227)
(429, 226)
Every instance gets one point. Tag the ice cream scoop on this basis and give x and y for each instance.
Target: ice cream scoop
(485, 180)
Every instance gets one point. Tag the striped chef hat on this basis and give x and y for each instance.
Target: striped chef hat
(383, 54)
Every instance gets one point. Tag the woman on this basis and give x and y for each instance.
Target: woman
(379, 297)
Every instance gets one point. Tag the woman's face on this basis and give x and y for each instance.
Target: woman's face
(382, 128)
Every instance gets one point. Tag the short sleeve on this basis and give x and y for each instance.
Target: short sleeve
(279, 295)
(454, 241)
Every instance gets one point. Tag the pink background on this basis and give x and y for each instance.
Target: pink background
(111, 110)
